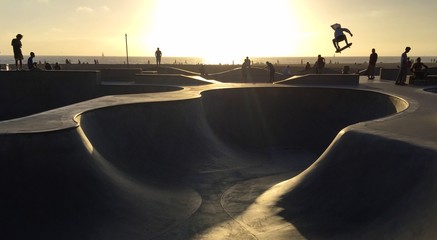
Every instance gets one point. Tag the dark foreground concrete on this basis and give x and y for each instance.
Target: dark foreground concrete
(225, 161)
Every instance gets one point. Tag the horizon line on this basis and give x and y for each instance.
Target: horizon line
(151, 56)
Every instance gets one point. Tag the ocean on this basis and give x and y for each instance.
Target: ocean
(198, 60)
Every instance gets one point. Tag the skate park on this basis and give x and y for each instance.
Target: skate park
(132, 154)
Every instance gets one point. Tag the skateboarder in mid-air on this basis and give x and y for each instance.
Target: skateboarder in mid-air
(340, 36)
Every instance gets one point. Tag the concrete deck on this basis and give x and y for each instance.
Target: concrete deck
(226, 161)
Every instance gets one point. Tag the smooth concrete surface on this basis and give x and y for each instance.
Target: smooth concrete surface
(388, 73)
(171, 79)
(226, 161)
(119, 74)
(253, 75)
(25, 93)
(322, 79)
(392, 73)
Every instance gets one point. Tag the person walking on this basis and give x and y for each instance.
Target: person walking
(405, 62)
(372, 64)
(18, 55)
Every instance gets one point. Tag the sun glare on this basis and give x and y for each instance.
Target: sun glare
(223, 31)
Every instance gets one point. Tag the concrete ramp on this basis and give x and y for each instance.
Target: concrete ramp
(322, 79)
(172, 169)
(388, 190)
(59, 187)
(171, 80)
(24, 93)
(254, 75)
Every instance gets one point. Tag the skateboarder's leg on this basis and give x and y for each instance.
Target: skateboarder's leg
(345, 39)
(334, 41)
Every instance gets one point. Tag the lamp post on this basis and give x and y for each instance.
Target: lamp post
(127, 52)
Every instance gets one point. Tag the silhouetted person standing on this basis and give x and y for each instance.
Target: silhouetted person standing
(158, 55)
(320, 64)
(18, 55)
(247, 62)
(202, 70)
(245, 68)
(272, 71)
(402, 76)
(372, 64)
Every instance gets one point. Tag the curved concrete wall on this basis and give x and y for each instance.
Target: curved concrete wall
(387, 188)
(119, 174)
(151, 138)
(55, 186)
(306, 117)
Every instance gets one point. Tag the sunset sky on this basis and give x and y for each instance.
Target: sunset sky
(217, 29)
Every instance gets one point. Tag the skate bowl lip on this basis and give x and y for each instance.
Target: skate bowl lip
(190, 93)
(67, 116)
(312, 126)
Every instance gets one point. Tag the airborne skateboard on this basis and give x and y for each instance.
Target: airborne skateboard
(343, 48)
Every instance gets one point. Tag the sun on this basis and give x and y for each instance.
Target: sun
(224, 31)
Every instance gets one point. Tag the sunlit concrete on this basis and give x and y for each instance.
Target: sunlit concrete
(225, 161)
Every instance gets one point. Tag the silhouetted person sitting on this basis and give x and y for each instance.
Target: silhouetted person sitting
(57, 66)
(31, 64)
(308, 66)
(47, 66)
(419, 69)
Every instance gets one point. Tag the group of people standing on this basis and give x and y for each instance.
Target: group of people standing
(418, 69)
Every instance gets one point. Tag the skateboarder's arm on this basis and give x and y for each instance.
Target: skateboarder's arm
(348, 31)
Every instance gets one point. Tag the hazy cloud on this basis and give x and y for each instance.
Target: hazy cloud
(106, 8)
(84, 9)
